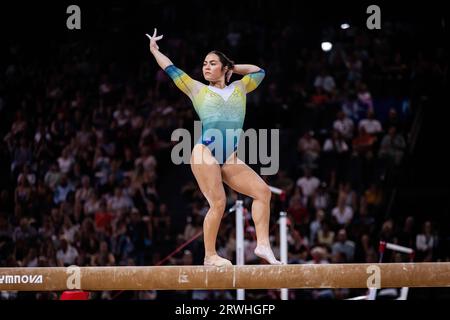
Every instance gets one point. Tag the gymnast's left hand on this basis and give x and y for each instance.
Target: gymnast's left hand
(228, 75)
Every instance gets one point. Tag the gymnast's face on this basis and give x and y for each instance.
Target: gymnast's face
(212, 68)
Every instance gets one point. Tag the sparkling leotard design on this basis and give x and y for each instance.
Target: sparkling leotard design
(219, 110)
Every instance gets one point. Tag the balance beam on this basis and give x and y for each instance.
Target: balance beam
(389, 275)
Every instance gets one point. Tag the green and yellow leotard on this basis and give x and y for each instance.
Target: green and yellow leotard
(220, 110)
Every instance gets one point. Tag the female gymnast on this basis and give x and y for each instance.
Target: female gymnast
(221, 107)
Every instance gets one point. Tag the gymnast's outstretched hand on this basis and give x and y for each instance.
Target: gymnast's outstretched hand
(153, 39)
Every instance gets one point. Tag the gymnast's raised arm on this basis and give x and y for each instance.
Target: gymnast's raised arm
(160, 58)
(185, 83)
(253, 75)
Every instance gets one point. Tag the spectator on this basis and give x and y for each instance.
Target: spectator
(335, 144)
(325, 81)
(104, 257)
(371, 125)
(393, 120)
(128, 163)
(344, 125)
(407, 236)
(122, 247)
(284, 182)
(69, 230)
(349, 195)
(316, 225)
(65, 161)
(354, 67)
(319, 255)
(84, 193)
(119, 202)
(30, 176)
(67, 254)
(23, 192)
(364, 97)
(297, 209)
(321, 198)
(308, 149)
(363, 248)
(103, 216)
(392, 148)
(22, 155)
(335, 152)
(387, 231)
(364, 222)
(62, 190)
(308, 183)
(233, 37)
(193, 226)
(351, 107)
(325, 236)
(374, 198)
(52, 177)
(147, 160)
(31, 260)
(25, 231)
(163, 222)
(84, 136)
(19, 125)
(91, 205)
(342, 213)
(47, 231)
(122, 115)
(364, 142)
(140, 236)
(343, 245)
(297, 247)
(425, 243)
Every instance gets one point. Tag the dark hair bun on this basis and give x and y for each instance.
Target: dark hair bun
(226, 62)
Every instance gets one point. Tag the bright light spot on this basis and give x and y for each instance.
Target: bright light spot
(345, 26)
(326, 46)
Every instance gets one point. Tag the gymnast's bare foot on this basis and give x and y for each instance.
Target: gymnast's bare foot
(216, 261)
(266, 253)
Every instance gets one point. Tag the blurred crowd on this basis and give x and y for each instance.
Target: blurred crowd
(85, 143)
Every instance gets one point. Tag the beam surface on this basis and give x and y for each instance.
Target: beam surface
(388, 275)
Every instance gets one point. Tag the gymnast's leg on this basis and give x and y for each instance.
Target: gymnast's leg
(209, 178)
(241, 178)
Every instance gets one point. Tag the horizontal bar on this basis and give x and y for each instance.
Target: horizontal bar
(396, 247)
(276, 190)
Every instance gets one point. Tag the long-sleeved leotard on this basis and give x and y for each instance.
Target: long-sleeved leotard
(219, 109)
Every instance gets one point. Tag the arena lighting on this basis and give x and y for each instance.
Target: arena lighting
(345, 26)
(326, 46)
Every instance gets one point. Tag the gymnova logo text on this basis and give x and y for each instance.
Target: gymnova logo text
(19, 279)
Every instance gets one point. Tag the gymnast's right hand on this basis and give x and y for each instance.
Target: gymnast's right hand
(153, 39)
